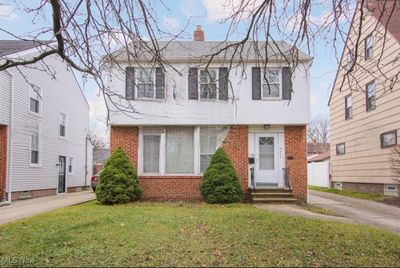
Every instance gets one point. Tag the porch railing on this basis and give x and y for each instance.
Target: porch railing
(287, 179)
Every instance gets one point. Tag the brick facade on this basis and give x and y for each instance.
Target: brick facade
(181, 187)
(33, 194)
(3, 162)
(377, 188)
(296, 159)
(236, 147)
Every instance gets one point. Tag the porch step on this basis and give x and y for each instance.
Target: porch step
(272, 195)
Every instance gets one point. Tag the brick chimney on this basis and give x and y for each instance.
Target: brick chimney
(198, 34)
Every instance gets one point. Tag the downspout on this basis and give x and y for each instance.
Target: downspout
(86, 155)
(10, 149)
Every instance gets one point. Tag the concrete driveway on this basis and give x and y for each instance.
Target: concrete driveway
(358, 210)
(26, 208)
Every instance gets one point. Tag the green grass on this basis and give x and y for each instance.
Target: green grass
(180, 234)
(368, 196)
(318, 210)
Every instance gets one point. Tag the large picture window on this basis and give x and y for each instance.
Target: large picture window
(178, 150)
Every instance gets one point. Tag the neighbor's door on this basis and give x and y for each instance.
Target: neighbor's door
(266, 165)
(61, 174)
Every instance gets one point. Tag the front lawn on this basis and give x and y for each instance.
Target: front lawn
(368, 196)
(180, 234)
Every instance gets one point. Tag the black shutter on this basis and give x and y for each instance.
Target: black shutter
(286, 83)
(160, 84)
(130, 83)
(256, 83)
(193, 84)
(223, 83)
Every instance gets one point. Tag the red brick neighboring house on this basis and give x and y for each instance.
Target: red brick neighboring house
(182, 121)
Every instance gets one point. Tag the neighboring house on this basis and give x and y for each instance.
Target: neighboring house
(43, 127)
(184, 117)
(316, 148)
(322, 157)
(365, 112)
(99, 158)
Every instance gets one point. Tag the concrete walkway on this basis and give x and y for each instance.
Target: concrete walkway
(26, 208)
(359, 210)
(299, 211)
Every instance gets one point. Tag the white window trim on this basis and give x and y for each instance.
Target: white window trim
(39, 164)
(390, 192)
(216, 84)
(73, 165)
(66, 126)
(154, 84)
(162, 165)
(263, 70)
(40, 113)
(338, 185)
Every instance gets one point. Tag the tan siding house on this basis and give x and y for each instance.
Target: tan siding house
(365, 102)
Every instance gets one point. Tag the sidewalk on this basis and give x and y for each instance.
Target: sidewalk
(26, 208)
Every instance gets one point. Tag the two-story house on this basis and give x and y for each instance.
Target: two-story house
(184, 112)
(365, 101)
(44, 121)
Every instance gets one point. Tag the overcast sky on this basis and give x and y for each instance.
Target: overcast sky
(207, 13)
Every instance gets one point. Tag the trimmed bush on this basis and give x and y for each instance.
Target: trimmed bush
(118, 182)
(220, 183)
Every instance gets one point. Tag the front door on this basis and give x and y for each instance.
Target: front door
(266, 164)
(61, 174)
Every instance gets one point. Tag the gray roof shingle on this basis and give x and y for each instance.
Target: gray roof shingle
(8, 47)
(196, 50)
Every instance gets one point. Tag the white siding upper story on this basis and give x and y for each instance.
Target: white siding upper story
(177, 109)
(59, 94)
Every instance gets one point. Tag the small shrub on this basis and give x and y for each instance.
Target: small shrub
(118, 182)
(220, 183)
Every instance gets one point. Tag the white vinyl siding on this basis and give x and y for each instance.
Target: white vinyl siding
(57, 95)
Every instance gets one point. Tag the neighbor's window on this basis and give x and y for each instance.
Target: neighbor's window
(271, 83)
(340, 149)
(34, 99)
(70, 165)
(180, 150)
(391, 189)
(34, 144)
(369, 46)
(371, 96)
(350, 59)
(389, 138)
(348, 107)
(151, 153)
(208, 84)
(62, 124)
(210, 139)
(145, 83)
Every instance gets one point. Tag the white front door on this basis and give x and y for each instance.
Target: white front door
(266, 168)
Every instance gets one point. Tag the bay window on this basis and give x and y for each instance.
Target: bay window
(178, 150)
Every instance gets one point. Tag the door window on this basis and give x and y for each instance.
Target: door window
(266, 153)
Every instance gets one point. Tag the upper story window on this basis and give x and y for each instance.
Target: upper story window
(34, 148)
(62, 123)
(271, 83)
(208, 84)
(371, 96)
(369, 47)
(389, 138)
(145, 83)
(34, 99)
(340, 149)
(348, 107)
(350, 59)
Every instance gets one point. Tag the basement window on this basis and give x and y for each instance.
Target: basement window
(337, 185)
(391, 189)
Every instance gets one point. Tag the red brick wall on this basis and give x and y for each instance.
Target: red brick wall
(296, 159)
(181, 187)
(236, 147)
(35, 193)
(3, 161)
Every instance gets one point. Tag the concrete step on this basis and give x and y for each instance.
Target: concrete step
(271, 190)
(271, 193)
(274, 200)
